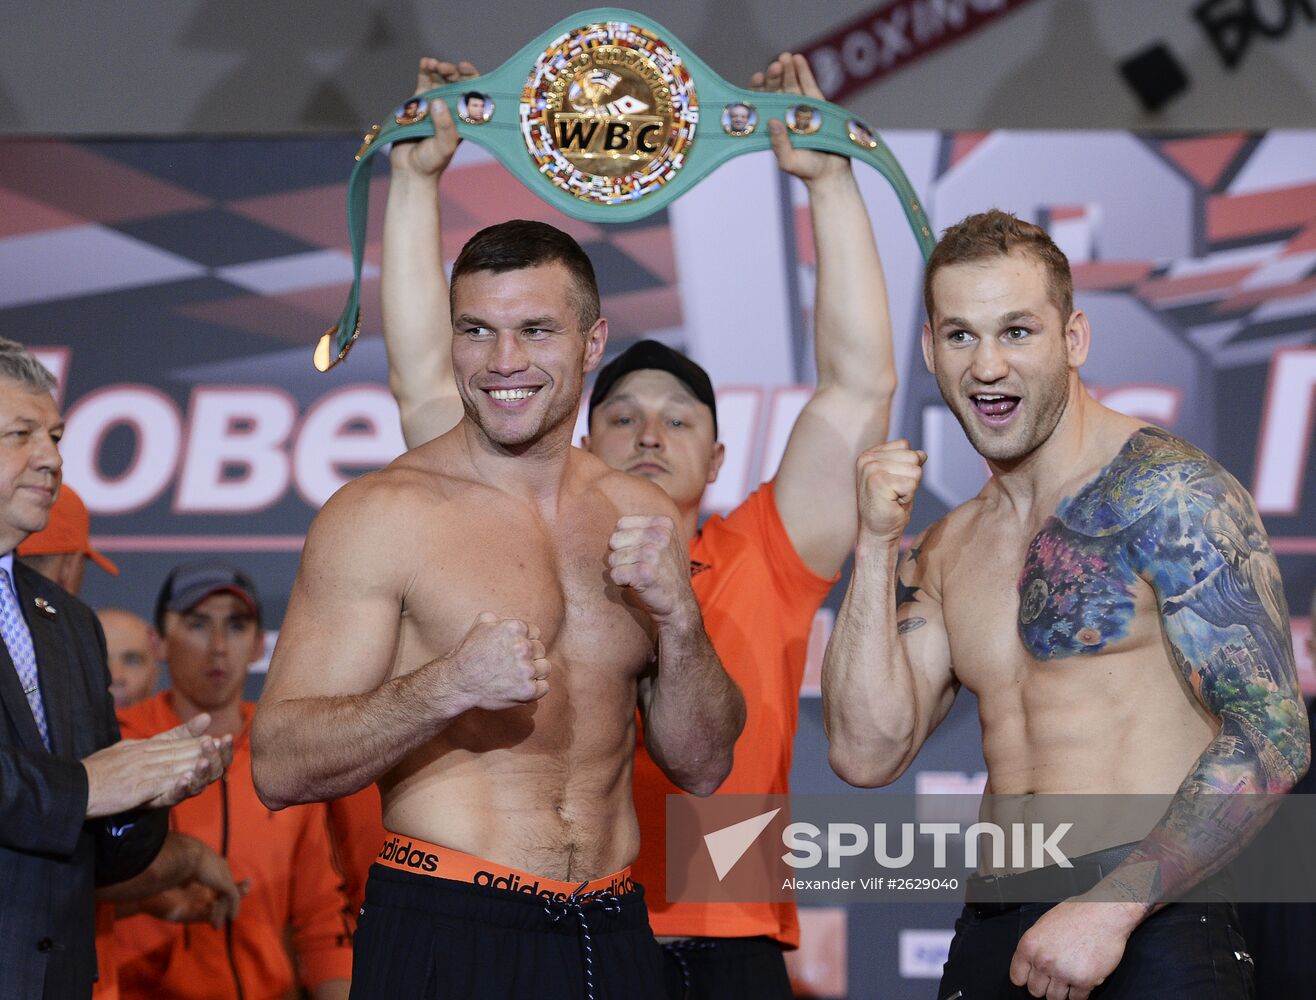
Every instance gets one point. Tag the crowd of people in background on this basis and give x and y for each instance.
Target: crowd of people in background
(268, 905)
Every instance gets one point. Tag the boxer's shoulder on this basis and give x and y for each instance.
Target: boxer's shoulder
(399, 486)
(958, 534)
(629, 494)
(1151, 467)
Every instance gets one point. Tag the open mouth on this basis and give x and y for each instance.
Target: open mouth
(995, 408)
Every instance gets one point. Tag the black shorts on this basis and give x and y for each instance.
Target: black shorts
(718, 968)
(423, 938)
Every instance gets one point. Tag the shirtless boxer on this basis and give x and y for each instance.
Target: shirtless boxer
(471, 627)
(1144, 648)
(761, 570)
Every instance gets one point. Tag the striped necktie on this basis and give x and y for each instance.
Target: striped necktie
(14, 630)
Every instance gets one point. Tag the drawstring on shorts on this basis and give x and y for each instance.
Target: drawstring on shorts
(680, 952)
(576, 905)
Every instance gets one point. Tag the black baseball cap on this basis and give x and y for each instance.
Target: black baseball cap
(651, 354)
(189, 584)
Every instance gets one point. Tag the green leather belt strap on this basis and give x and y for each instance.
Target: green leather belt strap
(608, 117)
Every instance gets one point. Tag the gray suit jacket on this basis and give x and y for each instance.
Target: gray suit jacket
(51, 857)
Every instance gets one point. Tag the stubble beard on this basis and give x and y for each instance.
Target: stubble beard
(1045, 407)
(559, 411)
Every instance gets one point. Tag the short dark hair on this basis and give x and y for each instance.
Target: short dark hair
(521, 243)
(998, 234)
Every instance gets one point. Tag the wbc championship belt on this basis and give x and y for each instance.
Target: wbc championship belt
(608, 117)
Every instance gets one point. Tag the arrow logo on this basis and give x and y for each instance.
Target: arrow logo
(729, 844)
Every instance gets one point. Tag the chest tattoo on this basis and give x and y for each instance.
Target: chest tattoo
(1078, 584)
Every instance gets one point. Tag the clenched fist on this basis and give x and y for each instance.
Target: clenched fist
(646, 554)
(1071, 950)
(888, 476)
(499, 664)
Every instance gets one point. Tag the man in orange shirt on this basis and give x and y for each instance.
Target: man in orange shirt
(208, 614)
(761, 572)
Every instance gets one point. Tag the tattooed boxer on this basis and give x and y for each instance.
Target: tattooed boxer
(1110, 598)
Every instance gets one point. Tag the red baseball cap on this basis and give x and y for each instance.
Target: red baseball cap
(68, 530)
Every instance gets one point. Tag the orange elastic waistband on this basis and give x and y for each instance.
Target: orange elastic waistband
(407, 854)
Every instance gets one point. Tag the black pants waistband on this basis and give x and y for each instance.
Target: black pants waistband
(722, 947)
(990, 895)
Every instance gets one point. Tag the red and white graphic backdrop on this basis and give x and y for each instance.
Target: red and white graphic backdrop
(177, 288)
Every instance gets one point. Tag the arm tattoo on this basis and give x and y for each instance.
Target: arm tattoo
(907, 594)
(1186, 525)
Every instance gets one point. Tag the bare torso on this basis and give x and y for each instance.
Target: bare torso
(543, 787)
(1052, 627)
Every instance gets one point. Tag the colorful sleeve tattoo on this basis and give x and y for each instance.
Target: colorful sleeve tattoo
(1165, 512)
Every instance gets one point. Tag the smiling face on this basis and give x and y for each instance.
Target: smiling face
(1005, 360)
(651, 425)
(738, 117)
(518, 352)
(30, 465)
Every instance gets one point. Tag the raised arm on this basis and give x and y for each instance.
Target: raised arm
(886, 676)
(413, 288)
(330, 720)
(692, 711)
(1223, 613)
(850, 408)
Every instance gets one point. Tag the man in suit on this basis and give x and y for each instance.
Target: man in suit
(81, 807)
(187, 881)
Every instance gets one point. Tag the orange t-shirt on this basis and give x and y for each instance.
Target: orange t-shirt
(759, 600)
(295, 893)
(356, 830)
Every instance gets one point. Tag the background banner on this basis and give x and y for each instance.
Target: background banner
(176, 287)
(893, 35)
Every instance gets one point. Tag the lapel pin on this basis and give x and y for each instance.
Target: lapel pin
(44, 605)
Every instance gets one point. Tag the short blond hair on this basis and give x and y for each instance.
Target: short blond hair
(998, 234)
